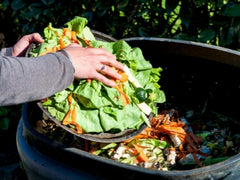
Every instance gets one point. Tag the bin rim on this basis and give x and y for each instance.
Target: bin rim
(205, 51)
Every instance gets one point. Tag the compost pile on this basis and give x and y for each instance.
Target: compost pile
(171, 143)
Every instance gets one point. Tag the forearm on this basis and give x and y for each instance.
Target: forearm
(29, 79)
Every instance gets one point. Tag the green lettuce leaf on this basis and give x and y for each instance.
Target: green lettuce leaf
(99, 107)
(77, 24)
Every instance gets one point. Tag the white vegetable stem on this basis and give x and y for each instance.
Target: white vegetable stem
(142, 106)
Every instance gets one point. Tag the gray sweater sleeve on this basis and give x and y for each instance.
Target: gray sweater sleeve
(28, 79)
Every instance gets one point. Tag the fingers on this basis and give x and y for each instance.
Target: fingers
(115, 64)
(106, 58)
(99, 51)
(104, 80)
(21, 46)
(109, 71)
(35, 37)
(94, 63)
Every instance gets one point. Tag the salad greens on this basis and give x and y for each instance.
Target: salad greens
(97, 106)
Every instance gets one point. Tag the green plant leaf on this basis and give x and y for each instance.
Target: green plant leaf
(232, 11)
(171, 5)
(206, 35)
(17, 4)
(3, 111)
(4, 124)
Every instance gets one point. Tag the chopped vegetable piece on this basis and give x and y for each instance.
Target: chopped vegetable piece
(141, 94)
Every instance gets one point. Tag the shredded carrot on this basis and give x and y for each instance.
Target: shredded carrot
(70, 34)
(124, 76)
(141, 157)
(138, 152)
(119, 86)
(70, 99)
(74, 121)
(67, 32)
(163, 125)
(181, 147)
(71, 116)
(55, 32)
(67, 117)
(89, 80)
(74, 37)
(62, 44)
(74, 115)
(191, 141)
(88, 43)
(145, 134)
(124, 97)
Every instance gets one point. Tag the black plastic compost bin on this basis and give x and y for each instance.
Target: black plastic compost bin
(195, 75)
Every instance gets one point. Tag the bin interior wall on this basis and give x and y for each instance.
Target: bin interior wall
(188, 78)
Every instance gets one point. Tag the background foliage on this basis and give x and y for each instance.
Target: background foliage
(216, 22)
(209, 21)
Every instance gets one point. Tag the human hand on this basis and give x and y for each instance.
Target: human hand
(21, 46)
(94, 63)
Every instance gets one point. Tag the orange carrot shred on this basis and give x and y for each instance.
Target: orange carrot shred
(67, 117)
(74, 121)
(124, 76)
(67, 32)
(141, 157)
(62, 44)
(89, 80)
(124, 97)
(88, 43)
(74, 37)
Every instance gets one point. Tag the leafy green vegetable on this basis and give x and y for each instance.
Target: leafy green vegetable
(77, 24)
(99, 108)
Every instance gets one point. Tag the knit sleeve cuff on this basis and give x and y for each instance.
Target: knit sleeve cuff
(66, 54)
(6, 51)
